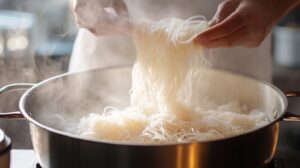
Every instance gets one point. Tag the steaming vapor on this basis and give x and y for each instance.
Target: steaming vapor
(27, 65)
(93, 52)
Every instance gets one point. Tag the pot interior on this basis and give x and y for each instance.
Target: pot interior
(67, 98)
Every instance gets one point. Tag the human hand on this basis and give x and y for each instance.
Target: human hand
(101, 17)
(243, 22)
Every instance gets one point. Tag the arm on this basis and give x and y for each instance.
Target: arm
(244, 22)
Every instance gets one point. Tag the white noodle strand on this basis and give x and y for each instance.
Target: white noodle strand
(166, 101)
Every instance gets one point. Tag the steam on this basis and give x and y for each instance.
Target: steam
(98, 52)
(66, 101)
(20, 37)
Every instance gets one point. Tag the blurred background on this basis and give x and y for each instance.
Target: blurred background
(36, 40)
(33, 33)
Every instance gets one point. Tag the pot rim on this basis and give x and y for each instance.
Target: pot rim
(71, 135)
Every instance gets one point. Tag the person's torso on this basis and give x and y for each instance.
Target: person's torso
(158, 9)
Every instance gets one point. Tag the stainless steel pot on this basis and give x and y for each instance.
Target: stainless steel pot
(71, 97)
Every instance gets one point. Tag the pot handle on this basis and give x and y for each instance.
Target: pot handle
(292, 94)
(7, 88)
(289, 116)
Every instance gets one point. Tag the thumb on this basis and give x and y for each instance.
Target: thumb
(224, 10)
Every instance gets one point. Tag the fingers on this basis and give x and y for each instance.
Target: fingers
(230, 25)
(245, 36)
(224, 10)
(238, 23)
(120, 7)
(231, 40)
(100, 16)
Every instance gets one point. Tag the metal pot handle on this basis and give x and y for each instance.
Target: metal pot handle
(7, 88)
(289, 116)
(292, 94)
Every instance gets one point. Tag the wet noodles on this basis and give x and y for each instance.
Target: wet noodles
(166, 103)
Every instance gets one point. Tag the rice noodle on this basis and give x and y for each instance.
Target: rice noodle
(166, 104)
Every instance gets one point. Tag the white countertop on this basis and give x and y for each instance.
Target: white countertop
(23, 159)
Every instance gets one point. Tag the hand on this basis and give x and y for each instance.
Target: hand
(101, 17)
(243, 22)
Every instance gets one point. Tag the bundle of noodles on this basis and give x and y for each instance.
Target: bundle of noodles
(165, 66)
(165, 100)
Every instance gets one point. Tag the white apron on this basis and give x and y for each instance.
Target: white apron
(94, 52)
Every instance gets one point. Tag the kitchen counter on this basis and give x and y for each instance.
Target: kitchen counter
(27, 159)
(23, 159)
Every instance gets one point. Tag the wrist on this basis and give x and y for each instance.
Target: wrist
(285, 6)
